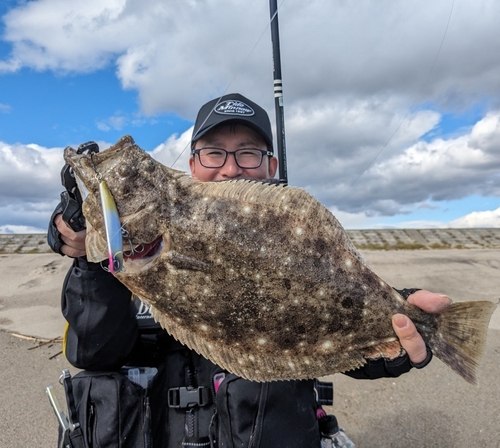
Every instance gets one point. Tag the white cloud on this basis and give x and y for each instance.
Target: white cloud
(489, 218)
(329, 162)
(29, 172)
(11, 229)
(486, 134)
(175, 152)
(179, 53)
(23, 214)
(71, 36)
(120, 121)
(116, 122)
(5, 108)
(354, 220)
(407, 177)
(330, 146)
(443, 169)
(413, 224)
(30, 185)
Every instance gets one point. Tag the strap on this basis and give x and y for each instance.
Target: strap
(257, 433)
(186, 397)
(72, 212)
(53, 236)
(406, 292)
(427, 360)
(74, 434)
(70, 399)
(76, 438)
(324, 392)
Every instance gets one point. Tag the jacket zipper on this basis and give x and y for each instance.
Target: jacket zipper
(91, 430)
(147, 421)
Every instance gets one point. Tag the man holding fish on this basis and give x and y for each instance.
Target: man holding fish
(232, 139)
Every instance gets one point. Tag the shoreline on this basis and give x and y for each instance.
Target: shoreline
(364, 239)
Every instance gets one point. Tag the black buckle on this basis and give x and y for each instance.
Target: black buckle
(324, 393)
(90, 146)
(187, 397)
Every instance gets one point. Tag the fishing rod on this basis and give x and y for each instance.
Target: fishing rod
(278, 93)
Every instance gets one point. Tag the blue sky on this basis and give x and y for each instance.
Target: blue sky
(387, 125)
(454, 123)
(52, 110)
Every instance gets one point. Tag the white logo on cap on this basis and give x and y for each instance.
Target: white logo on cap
(233, 107)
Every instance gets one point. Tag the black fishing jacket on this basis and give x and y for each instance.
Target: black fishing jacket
(108, 328)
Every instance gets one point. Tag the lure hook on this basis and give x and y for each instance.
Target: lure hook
(126, 235)
(98, 175)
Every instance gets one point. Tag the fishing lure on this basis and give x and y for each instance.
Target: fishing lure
(111, 223)
(113, 228)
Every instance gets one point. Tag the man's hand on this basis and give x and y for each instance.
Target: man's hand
(408, 335)
(74, 242)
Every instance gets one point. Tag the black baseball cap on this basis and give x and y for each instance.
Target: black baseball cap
(235, 108)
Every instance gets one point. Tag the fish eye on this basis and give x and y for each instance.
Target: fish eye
(124, 170)
(148, 165)
(125, 190)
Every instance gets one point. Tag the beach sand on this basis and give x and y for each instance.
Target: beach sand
(432, 407)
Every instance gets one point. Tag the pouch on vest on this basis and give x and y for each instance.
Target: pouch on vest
(109, 409)
(279, 414)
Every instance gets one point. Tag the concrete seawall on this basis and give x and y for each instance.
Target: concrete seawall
(384, 239)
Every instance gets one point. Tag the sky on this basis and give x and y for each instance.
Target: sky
(392, 109)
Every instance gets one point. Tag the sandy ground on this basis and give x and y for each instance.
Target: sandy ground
(432, 407)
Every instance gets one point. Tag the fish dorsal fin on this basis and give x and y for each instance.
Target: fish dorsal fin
(283, 199)
(256, 192)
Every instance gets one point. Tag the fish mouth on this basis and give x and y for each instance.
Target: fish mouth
(144, 252)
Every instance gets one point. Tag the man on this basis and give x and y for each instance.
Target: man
(232, 139)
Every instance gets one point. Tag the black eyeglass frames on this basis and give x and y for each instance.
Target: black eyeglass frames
(247, 158)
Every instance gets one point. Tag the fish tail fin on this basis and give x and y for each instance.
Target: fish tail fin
(460, 339)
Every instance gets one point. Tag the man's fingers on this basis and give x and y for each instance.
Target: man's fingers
(409, 338)
(72, 252)
(65, 230)
(68, 235)
(74, 242)
(62, 227)
(408, 335)
(429, 301)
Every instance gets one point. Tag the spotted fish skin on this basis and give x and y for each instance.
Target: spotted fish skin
(261, 279)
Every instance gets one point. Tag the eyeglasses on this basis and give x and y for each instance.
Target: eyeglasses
(246, 158)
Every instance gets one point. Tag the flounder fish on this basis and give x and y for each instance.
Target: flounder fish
(259, 278)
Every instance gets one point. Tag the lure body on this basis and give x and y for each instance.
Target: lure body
(113, 229)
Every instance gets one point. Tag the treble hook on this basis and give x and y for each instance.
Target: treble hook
(126, 235)
(132, 250)
(98, 175)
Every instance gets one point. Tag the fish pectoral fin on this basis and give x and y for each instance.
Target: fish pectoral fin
(387, 350)
(184, 262)
(95, 245)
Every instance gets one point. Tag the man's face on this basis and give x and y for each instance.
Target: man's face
(232, 138)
